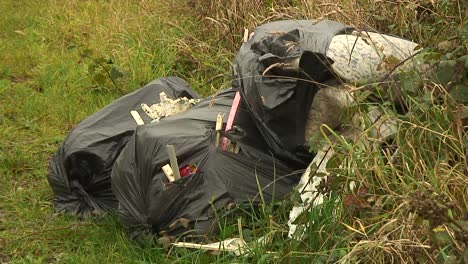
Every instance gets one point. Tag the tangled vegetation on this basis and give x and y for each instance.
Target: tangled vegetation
(62, 60)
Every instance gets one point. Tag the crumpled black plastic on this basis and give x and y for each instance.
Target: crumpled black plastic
(148, 201)
(109, 149)
(79, 172)
(278, 97)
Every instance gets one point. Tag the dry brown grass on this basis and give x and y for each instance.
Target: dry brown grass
(226, 20)
(414, 207)
(220, 28)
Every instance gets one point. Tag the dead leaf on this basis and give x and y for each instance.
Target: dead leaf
(182, 221)
(362, 191)
(20, 32)
(352, 200)
(165, 241)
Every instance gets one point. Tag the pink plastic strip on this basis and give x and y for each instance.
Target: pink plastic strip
(232, 116)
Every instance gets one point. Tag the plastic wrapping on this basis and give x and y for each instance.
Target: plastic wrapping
(79, 172)
(277, 72)
(149, 202)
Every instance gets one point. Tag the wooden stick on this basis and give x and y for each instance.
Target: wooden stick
(173, 161)
(219, 126)
(246, 35)
(232, 115)
(137, 118)
(168, 172)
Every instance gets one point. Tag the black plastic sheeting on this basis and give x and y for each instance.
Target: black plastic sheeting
(269, 128)
(277, 96)
(79, 172)
(148, 201)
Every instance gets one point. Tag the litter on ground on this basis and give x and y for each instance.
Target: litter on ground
(168, 160)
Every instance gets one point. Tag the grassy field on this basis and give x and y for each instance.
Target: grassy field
(45, 89)
(48, 48)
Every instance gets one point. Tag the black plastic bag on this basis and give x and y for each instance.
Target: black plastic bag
(269, 126)
(277, 72)
(149, 202)
(79, 172)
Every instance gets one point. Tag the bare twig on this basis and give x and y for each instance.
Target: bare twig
(399, 64)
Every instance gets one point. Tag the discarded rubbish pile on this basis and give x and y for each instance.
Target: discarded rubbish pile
(291, 75)
(150, 199)
(171, 174)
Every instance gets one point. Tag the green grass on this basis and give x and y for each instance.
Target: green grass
(45, 91)
(47, 49)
